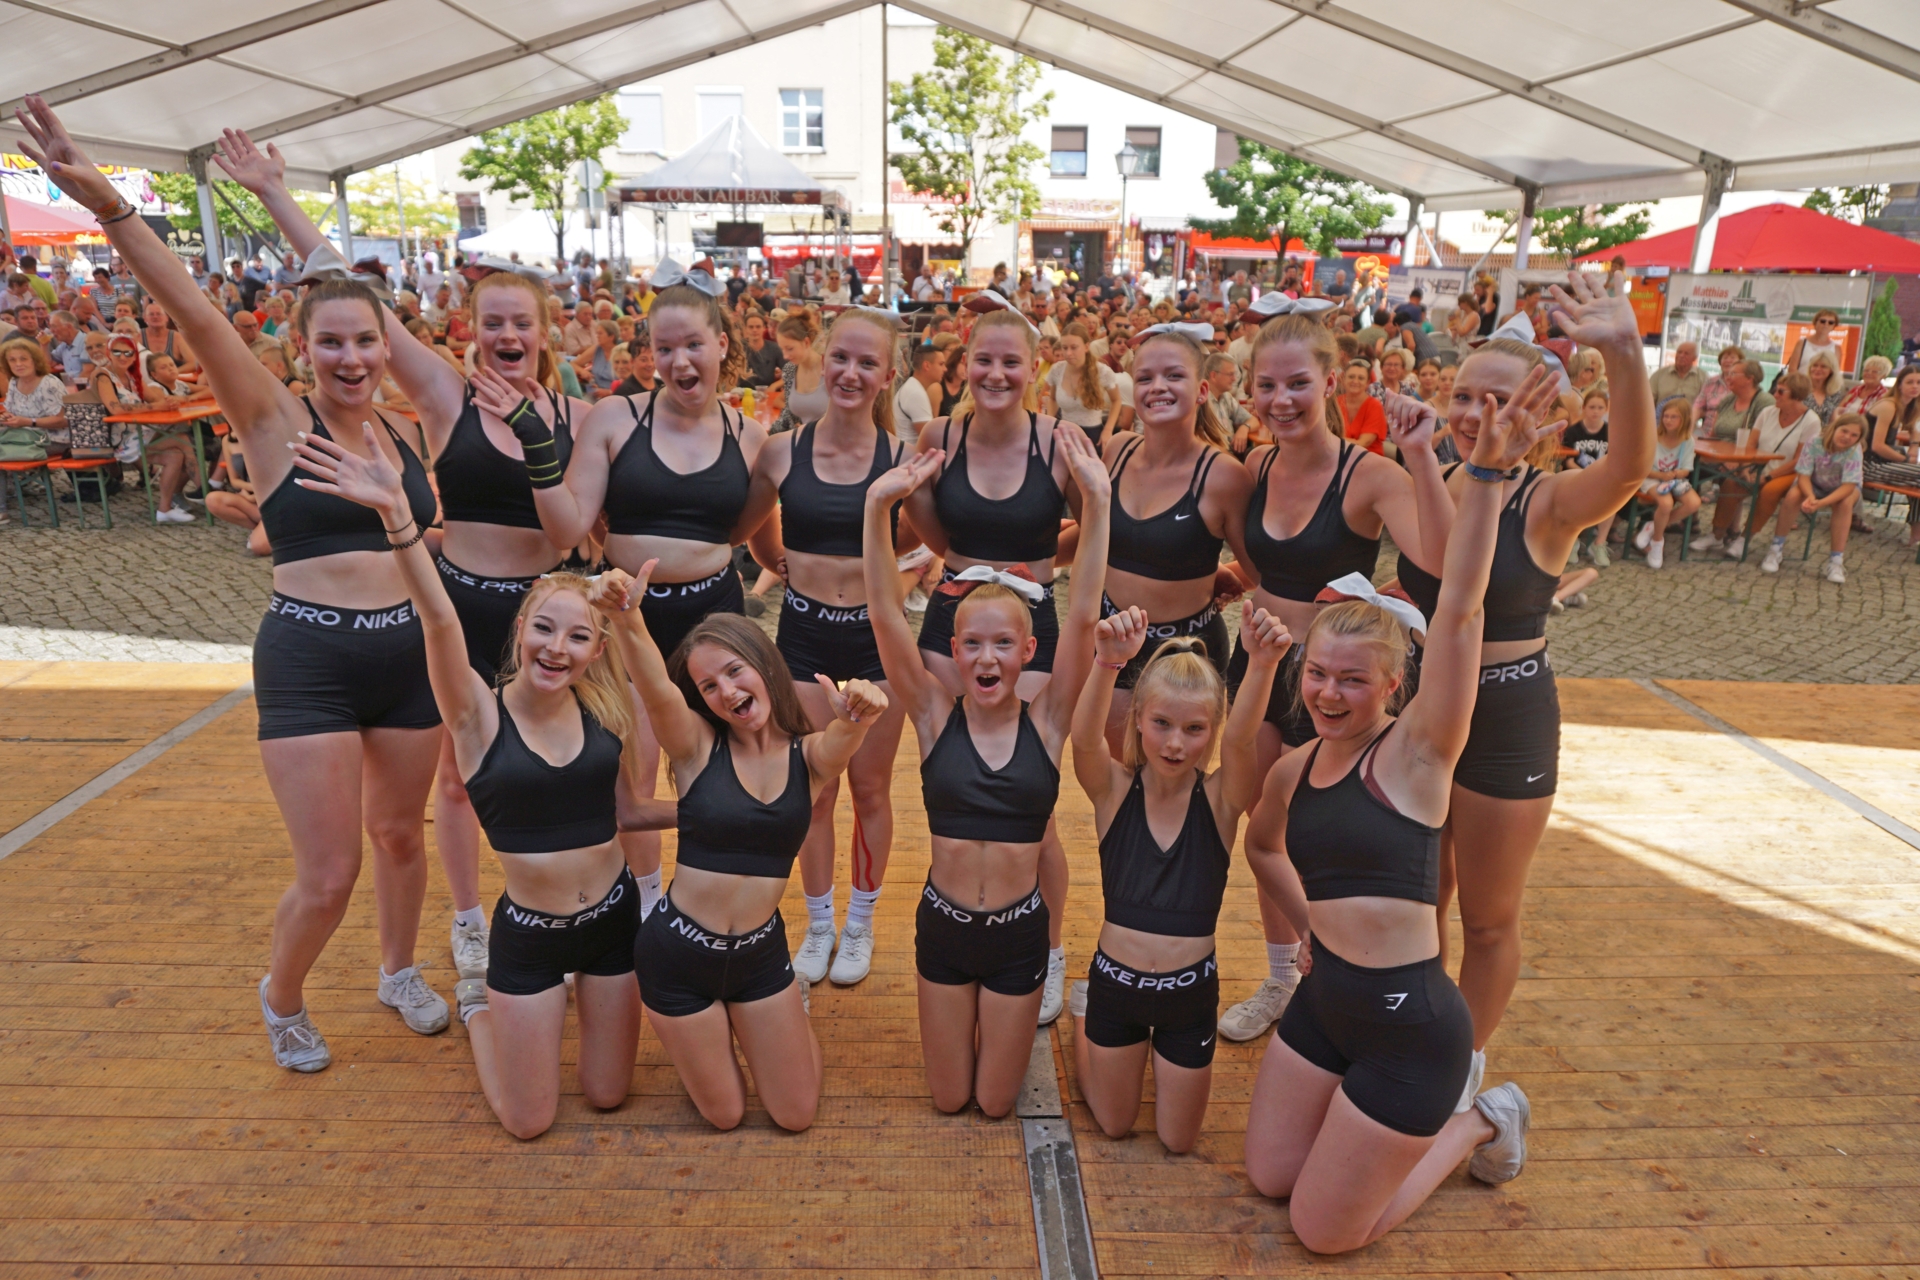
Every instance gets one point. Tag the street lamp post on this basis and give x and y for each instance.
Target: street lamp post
(1127, 161)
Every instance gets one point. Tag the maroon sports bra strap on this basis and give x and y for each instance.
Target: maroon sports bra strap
(1366, 769)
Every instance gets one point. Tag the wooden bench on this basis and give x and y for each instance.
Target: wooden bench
(1907, 491)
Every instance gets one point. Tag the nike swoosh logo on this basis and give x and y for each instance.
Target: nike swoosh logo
(1536, 777)
(1206, 1042)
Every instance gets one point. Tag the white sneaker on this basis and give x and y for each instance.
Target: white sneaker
(816, 949)
(1770, 563)
(1835, 571)
(1643, 539)
(1054, 998)
(916, 601)
(1599, 555)
(1475, 1074)
(419, 1007)
(806, 995)
(1736, 547)
(470, 949)
(1502, 1159)
(854, 957)
(297, 1044)
(1252, 1016)
(179, 515)
(470, 995)
(1077, 999)
(1656, 555)
(1708, 541)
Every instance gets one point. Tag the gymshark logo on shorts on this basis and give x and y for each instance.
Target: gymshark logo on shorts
(1396, 1000)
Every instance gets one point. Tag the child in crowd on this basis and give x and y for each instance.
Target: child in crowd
(1827, 475)
(1586, 435)
(1669, 488)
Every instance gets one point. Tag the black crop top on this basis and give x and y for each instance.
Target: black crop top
(724, 828)
(1298, 568)
(965, 800)
(480, 484)
(1173, 546)
(1346, 841)
(1174, 891)
(823, 519)
(526, 805)
(1011, 530)
(304, 525)
(645, 496)
(1519, 592)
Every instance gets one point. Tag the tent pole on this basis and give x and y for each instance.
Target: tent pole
(886, 177)
(6, 233)
(1416, 209)
(1707, 230)
(1523, 241)
(341, 216)
(216, 249)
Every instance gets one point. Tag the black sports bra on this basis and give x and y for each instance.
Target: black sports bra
(725, 828)
(645, 496)
(1346, 841)
(526, 805)
(1297, 568)
(1016, 529)
(824, 519)
(1173, 546)
(480, 484)
(965, 800)
(304, 525)
(1174, 891)
(1519, 592)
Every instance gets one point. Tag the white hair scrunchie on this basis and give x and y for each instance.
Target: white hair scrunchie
(670, 273)
(1027, 588)
(1202, 333)
(1355, 586)
(1276, 303)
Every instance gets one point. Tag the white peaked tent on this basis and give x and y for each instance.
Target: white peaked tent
(732, 165)
(1457, 104)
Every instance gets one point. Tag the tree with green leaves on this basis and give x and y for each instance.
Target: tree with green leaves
(1882, 337)
(1855, 204)
(536, 159)
(238, 212)
(1579, 229)
(1280, 197)
(966, 118)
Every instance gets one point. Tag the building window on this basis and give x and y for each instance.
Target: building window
(473, 214)
(1226, 148)
(803, 120)
(717, 106)
(646, 122)
(1069, 153)
(1146, 144)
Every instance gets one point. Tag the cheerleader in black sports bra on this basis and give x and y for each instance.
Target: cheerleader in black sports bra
(1000, 447)
(1178, 468)
(1315, 514)
(990, 774)
(1167, 828)
(348, 729)
(492, 548)
(1354, 1114)
(712, 956)
(540, 756)
(1504, 786)
(671, 471)
(819, 474)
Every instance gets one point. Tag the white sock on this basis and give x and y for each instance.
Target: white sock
(649, 892)
(1283, 960)
(471, 918)
(860, 907)
(820, 909)
(1837, 556)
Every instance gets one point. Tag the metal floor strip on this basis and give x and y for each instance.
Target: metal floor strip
(1833, 790)
(1053, 1171)
(105, 781)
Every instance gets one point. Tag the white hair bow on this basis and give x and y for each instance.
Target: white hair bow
(1202, 333)
(987, 300)
(1032, 591)
(670, 273)
(1275, 303)
(1355, 586)
(1519, 328)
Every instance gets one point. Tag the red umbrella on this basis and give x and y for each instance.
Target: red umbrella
(1776, 237)
(31, 223)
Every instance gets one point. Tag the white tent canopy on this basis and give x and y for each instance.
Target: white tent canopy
(731, 165)
(1454, 103)
(531, 236)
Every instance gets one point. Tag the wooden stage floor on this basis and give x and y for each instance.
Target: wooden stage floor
(1718, 1024)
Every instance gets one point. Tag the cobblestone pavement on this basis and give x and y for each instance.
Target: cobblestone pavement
(187, 593)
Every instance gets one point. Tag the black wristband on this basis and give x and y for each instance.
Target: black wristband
(526, 426)
(419, 533)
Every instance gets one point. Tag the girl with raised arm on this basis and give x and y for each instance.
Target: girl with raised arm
(990, 775)
(348, 729)
(995, 504)
(1167, 828)
(492, 549)
(1315, 511)
(712, 957)
(1504, 784)
(670, 470)
(819, 473)
(539, 754)
(1353, 1114)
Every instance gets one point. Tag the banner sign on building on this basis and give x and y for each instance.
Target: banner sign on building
(1766, 316)
(1439, 287)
